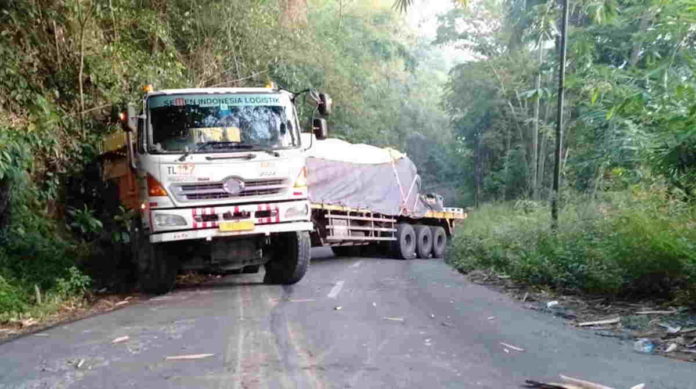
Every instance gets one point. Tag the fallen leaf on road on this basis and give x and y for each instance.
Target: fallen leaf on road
(394, 318)
(511, 347)
(120, 339)
(187, 357)
(600, 322)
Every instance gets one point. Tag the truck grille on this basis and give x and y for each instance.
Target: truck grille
(216, 191)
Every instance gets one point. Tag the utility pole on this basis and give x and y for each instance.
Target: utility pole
(559, 119)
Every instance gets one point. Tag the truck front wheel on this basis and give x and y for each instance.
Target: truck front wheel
(289, 259)
(156, 263)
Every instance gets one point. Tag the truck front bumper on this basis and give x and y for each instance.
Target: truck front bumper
(210, 222)
(210, 233)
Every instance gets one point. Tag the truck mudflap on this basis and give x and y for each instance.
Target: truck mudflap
(229, 220)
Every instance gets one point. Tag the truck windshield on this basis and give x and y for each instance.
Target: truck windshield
(221, 123)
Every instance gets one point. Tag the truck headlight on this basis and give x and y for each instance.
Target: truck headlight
(297, 211)
(169, 220)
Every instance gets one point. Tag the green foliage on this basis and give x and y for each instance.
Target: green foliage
(629, 94)
(636, 245)
(75, 283)
(84, 222)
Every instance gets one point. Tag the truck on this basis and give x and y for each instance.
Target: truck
(367, 200)
(218, 180)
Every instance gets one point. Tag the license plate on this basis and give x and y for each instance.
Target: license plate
(245, 225)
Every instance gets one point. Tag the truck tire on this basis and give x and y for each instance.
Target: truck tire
(290, 258)
(424, 241)
(346, 251)
(439, 242)
(405, 245)
(157, 265)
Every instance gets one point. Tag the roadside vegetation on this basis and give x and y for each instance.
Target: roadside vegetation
(629, 244)
(627, 226)
(63, 65)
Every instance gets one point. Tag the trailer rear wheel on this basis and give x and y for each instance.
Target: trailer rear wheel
(424, 241)
(290, 258)
(157, 264)
(439, 242)
(405, 245)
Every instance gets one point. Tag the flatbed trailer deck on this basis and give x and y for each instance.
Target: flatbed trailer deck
(345, 229)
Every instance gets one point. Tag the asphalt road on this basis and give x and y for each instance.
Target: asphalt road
(351, 323)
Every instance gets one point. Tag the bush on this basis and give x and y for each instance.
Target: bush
(625, 244)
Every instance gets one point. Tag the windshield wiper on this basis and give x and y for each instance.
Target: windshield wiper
(269, 151)
(200, 146)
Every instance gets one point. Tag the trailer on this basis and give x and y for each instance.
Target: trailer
(367, 199)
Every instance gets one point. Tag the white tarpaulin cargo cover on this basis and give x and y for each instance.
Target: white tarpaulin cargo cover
(363, 176)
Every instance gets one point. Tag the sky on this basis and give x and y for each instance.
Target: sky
(422, 17)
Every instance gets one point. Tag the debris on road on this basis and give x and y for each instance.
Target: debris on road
(671, 312)
(511, 347)
(491, 317)
(552, 304)
(79, 363)
(669, 328)
(672, 347)
(120, 339)
(401, 319)
(644, 345)
(571, 383)
(187, 357)
(446, 324)
(338, 308)
(599, 322)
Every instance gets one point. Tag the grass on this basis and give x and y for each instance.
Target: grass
(632, 244)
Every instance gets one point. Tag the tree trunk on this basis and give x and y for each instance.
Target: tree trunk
(544, 141)
(645, 21)
(535, 130)
(477, 172)
(4, 202)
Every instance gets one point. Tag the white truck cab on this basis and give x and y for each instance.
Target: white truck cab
(221, 183)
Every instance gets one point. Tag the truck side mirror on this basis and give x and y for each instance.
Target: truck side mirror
(129, 119)
(320, 129)
(325, 104)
